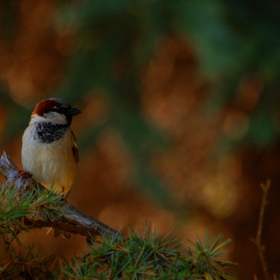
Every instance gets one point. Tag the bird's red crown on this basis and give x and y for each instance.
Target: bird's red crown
(45, 106)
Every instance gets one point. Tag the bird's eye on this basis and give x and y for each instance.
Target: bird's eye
(56, 109)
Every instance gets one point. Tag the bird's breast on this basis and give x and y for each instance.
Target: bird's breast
(50, 163)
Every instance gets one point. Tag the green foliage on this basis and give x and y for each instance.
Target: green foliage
(207, 257)
(25, 264)
(144, 255)
(15, 204)
(150, 256)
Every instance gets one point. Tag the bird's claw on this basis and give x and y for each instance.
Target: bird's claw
(23, 174)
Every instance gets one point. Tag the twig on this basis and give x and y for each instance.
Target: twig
(71, 219)
(257, 240)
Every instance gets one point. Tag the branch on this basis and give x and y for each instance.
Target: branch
(71, 219)
(257, 240)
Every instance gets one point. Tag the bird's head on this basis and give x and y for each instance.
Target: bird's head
(54, 110)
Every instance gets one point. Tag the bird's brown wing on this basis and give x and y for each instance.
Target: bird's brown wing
(75, 149)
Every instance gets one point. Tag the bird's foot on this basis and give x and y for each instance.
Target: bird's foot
(23, 174)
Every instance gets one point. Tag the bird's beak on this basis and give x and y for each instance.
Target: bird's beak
(73, 111)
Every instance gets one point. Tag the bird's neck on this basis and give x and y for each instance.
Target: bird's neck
(48, 132)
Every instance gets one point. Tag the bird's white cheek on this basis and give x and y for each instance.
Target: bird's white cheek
(49, 117)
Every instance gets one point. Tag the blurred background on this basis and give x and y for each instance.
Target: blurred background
(181, 113)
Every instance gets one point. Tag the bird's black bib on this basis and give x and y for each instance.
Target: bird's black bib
(47, 132)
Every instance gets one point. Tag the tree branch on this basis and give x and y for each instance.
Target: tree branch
(265, 187)
(71, 219)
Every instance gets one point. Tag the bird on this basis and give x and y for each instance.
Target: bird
(49, 147)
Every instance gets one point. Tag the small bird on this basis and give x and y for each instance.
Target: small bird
(49, 149)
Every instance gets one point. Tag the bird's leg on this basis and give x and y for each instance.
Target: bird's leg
(24, 174)
(66, 196)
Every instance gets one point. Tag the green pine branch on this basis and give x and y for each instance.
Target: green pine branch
(150, 256)
(144, 255)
